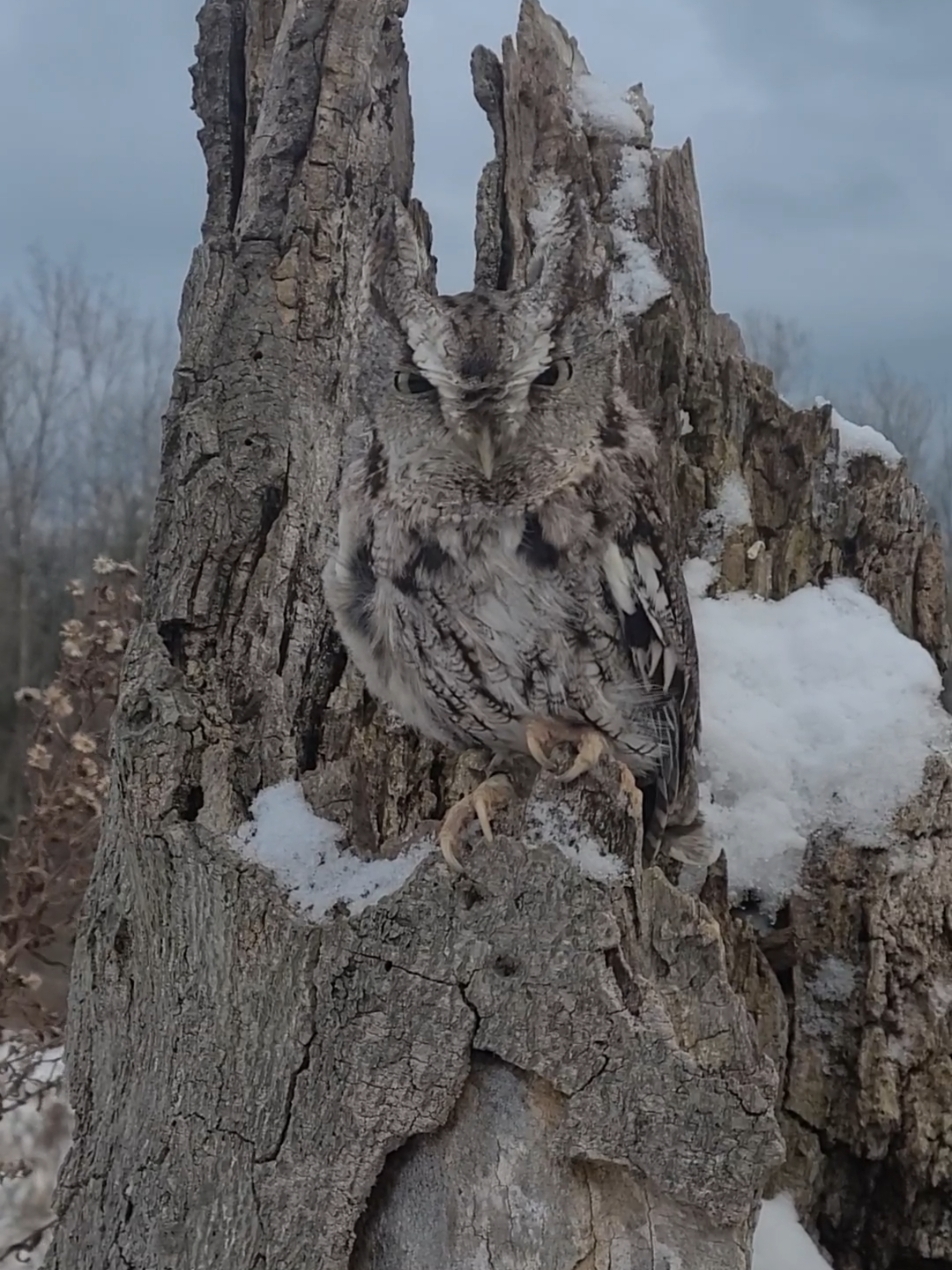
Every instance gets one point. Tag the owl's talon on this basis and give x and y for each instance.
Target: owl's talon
(489, 796)
(631, 792)
(538, 736)
(482, 815)
(591, 747)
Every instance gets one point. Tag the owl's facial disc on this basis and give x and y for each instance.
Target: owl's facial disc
(484, 360)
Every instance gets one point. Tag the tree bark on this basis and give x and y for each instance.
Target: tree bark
(533, 1067)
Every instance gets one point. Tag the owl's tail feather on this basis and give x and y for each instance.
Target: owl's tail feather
(655, 812)
(691, 844)
(688, 842)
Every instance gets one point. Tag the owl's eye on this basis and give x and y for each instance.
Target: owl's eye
(555, 375)
(410, 384)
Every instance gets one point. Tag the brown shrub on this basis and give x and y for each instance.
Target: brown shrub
(49, 858)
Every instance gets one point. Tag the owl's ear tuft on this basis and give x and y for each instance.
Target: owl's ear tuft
(399, 270)
(563, 248)
(554, 225)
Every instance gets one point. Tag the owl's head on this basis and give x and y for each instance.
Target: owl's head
(486, 370)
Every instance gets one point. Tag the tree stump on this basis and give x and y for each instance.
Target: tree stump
(559, 1061)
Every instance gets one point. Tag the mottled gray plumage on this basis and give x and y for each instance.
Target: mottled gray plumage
(504, 554)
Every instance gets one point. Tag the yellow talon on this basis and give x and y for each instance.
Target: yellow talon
(592, 746)
(631, 793)
(489, 796)
(538, 736)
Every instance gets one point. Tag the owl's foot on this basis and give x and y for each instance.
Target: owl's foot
(488, 797)
(592, 748)
(539, 737)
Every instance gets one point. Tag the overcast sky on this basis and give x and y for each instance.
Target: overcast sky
(821, 132)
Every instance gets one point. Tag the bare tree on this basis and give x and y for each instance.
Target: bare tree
(782, 345)
(901, 410)
(83, 381)
(919, 425)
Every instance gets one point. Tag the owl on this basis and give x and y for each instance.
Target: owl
(504, 576)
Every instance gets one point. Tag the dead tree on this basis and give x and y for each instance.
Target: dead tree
(536, 1067)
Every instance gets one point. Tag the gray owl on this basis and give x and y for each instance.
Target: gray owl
(504, 576)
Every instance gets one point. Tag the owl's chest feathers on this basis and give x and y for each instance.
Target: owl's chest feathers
(478, 613)
(485, 538)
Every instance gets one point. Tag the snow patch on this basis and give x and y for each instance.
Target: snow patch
(817, 712)
(607, 109)
(554, 823)
(829, 989)
(548, 213)
(637, 281)
(858, 438)
(631, 190)
(940, 997)
(780, 1242)
(733, 503)
(835, 980)
(699, 576)
(35, 1132)
(716, 524)
(302, 851)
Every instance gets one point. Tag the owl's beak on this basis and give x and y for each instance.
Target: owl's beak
(486, 449)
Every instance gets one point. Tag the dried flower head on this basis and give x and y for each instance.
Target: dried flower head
(39, 756)
(47, 863)
(57, 702)
(22, 695)
(90, 799)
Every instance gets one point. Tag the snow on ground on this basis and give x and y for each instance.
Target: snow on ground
(637, 282)
(35, 1129)
(781, 1243)
(816, 711)
(302, 851)
(859, 438)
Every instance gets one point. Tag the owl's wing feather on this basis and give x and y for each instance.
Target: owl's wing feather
(647, 592)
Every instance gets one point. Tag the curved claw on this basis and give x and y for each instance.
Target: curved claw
(631, 793)
(592, 745)
(538, 737)
(489, 796)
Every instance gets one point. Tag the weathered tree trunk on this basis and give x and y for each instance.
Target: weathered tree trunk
(531, 1068)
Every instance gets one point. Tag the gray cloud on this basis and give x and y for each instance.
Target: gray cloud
(98, 150)
(819, 131)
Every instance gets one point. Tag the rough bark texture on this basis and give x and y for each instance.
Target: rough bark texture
(530, 1067)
